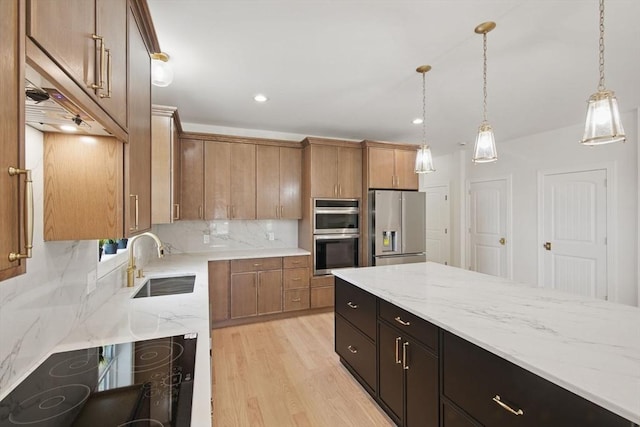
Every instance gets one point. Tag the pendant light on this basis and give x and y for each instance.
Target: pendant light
(485, 148)
(424, 160)
(161, 71)
(603, 124)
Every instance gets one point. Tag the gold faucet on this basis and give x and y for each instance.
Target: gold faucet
(131, 268)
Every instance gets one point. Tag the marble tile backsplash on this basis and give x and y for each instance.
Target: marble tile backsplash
(218, 235)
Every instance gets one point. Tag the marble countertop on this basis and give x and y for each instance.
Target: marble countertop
(124, 319)
(588, 346)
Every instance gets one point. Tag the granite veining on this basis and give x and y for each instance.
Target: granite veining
(588, 346)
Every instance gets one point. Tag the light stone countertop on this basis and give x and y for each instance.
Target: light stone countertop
(123, 319)
(588, 346)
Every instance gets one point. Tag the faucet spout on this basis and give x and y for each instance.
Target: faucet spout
(131, 267)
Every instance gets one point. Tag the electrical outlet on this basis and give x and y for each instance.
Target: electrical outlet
(271, 235)
(92, 281)
(205, 238)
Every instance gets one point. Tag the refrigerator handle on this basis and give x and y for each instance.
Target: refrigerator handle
(403, 221)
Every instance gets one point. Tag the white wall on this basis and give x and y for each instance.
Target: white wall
(521, 159)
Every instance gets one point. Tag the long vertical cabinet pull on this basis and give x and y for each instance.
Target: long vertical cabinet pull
(109, 74)
(137, 212)
(176, 211)
(405, 364)
(100, 84)
(28, 214)
(398, 340)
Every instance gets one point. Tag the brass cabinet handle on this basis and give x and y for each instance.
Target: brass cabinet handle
(281, 211)
(109, 74)
(352, 349)
(136, 210)
(502, 241)
(398, 361)
(340, 190)
(335, 189)
(507, 407)
(27, 212)
(405, 365)
(233, 211)
(352, 305)
(402, 322)
(176, 210)
(295, 262)
(228, 216)
(547, 246)
(102, 55)
(296, 300)
(277, 211)
(200, 212)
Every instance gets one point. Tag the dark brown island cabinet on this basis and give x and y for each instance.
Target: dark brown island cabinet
(424, 376)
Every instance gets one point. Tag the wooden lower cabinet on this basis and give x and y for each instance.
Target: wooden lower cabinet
(296, 299)
(408, 378)
(322, 291)
(219, 290)
(244, 296)
(358, 351)
(269, 292)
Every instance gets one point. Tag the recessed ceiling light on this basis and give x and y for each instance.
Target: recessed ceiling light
(417, 121)
(260, 98)
(68, 128)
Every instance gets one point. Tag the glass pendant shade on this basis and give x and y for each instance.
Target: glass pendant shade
(603, 125)
(161, 71)
(424, 160)
(485, 148)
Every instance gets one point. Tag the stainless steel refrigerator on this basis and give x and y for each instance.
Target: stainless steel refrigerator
(397, 227)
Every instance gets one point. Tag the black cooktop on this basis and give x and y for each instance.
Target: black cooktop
(138, 384)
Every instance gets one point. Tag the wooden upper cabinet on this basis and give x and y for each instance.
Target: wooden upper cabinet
(191, 179)
(165, 166)
(278, 182)
(391, 168)
(336, 171)
(97, 64)
(83, 185)
(12, 135)
(139, 147)
(230, 180)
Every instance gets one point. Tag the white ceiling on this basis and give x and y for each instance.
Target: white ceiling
(346, 68)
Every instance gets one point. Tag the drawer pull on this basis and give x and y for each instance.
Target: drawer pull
(402, 322)
(296, 278)
(352, 305)
(296, 300)
(352, 349)
(507, 407)
(295, 262)
(257, 265)
(405, 365)
(398, 361)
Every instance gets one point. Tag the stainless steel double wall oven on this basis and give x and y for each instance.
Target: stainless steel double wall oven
(336, 234)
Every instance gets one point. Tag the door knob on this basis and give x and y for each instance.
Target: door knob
(502, 241)
(547, 246)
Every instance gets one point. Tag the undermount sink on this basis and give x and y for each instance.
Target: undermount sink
(159, 286)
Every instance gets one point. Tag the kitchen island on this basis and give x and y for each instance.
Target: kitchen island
(587, 346)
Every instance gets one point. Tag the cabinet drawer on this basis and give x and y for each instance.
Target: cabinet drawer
(408, 323)
(296, 299)
(356, 306)
(295, 261)
(255, 264)
(319, 281)
(296, 278)
(474, 377)
(322, 297)
(357, 350)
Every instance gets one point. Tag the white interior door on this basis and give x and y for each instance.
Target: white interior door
(488, 225)
(437, 233)
(574, 230)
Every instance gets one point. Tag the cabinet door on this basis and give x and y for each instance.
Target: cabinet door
(451, 417)
(390, 372)
(111, 24)
(218, 290)
(269, 292)
(139, 147)
(381, 173)
(176, 170)
(290, 183)
(406, 178)
(217, 184)
(63, 29)
(191, 179)
(349, 172)
(244, 296)
(324, 171)
(11, 134)
(421, 382)
(161, 170)
(267, 182)
(243, 181)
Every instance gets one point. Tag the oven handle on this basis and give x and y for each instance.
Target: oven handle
(336, 236)
(336, 211)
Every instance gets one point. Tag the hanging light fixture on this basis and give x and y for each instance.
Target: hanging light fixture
(424, 160)
(603, 124)
(485, 148)
(161, 71)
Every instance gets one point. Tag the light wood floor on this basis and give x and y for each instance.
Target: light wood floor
(285, 373)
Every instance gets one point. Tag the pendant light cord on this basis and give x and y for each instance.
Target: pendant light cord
(484, 76)
(424, 110)
(601, 41)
